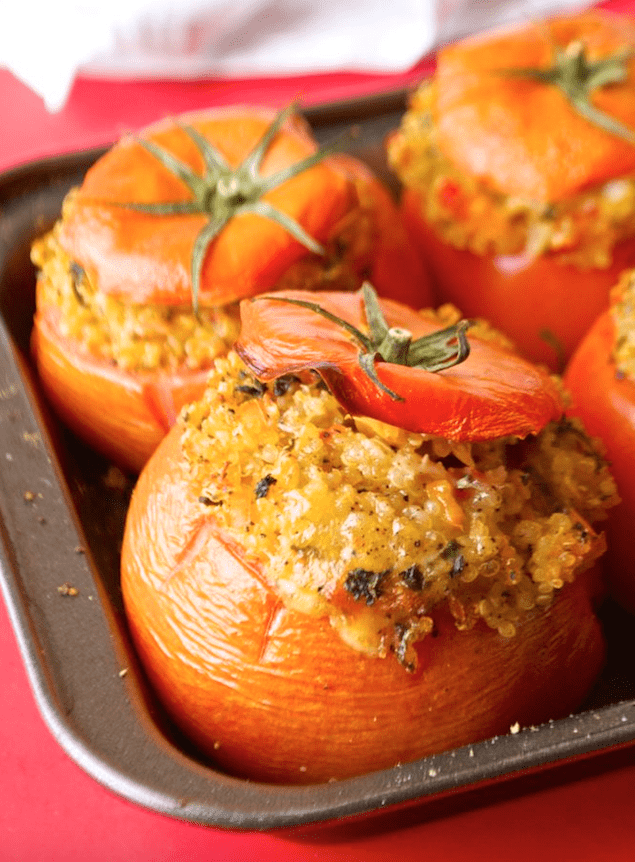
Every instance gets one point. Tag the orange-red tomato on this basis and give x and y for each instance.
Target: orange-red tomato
(544, 305)
(142, 257)
(522, 135)
(518, 138)
(276, 695)
(605, 401)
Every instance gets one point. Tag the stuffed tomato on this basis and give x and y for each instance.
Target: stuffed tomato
(518, 163)
(330, 573)
(139, 281)
(601, 379)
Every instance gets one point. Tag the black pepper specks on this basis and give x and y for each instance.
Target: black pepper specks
(208, 501)
(262, 487)
(403, 634)
(364, 584)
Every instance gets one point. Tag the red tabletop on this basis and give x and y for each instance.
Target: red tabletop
(51, 810)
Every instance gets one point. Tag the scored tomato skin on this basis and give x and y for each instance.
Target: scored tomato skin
(122, 414)
(274, 695)
(544, 306)
(605, 401)
(492, 394)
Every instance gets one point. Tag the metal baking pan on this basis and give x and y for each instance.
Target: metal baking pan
(61, 520)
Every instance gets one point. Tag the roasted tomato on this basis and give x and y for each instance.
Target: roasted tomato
(139, 280)
(324, 583)
(518, 158)
(601, 378)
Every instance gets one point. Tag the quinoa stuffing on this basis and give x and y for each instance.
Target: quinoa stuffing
(623, 314)
(134, 337)
(380, 529)
(470, 214)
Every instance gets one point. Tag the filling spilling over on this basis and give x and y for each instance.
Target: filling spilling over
(380, 529)
(469, 214)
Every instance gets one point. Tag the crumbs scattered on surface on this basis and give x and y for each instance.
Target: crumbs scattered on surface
(515, 728)
(67, 589)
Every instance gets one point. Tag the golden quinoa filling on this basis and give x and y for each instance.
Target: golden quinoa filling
(623, 313)
(380, 529)
(469, 214)
(135, 337)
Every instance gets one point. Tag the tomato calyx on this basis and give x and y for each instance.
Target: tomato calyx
(433, 352)
(223, 192)
(577, 77)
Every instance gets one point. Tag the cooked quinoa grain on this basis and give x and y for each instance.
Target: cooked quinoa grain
(470, 214)
(381, 529)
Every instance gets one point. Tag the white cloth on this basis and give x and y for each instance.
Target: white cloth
(46, 44)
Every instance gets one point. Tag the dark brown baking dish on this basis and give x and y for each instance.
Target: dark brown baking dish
(61, 519)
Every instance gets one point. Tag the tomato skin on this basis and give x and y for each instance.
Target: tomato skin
(492, 394)
(605, 402)
(143, 258)
(521, 299)
(520, 136)
(122, 414)
(273, 695)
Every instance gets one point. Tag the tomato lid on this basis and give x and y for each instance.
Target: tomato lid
(138, 255)
(519, 132)
(480, 390)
